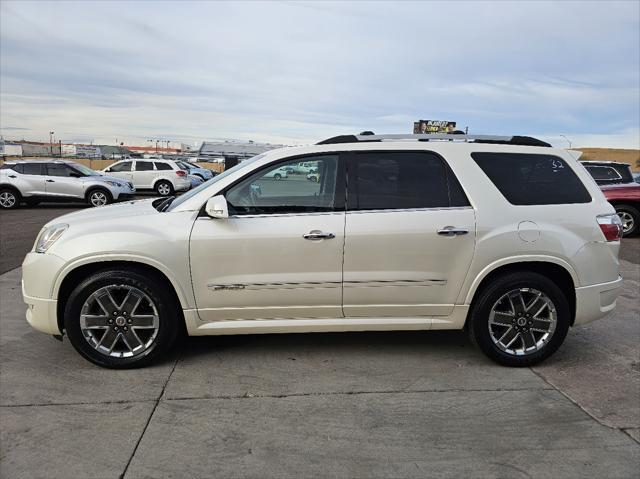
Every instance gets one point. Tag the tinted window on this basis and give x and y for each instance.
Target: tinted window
(55, 169)
(526, 179)
(144, 166)
(124, 166)
(604, 173)
(400, 180)
(32, 169)
(159, 166)
(276, 189)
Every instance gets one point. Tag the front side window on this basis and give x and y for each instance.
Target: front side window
(55, 169)
(532, 179)
(118, 167)
(144, 166)
(402, 180)
(161, 166)
(281, 188)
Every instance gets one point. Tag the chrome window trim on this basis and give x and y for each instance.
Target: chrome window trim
(406, 210)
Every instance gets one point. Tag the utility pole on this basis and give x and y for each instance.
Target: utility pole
(51, 143)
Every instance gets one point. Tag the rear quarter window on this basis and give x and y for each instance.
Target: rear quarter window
(532, 179)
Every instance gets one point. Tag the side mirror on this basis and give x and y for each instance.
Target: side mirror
(217, 207)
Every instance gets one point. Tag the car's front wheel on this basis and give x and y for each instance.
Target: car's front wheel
(9, 198)
(520, 319)
(630, 217)
(98, 197)
(121, 319)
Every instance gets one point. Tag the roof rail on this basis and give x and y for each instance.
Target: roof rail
(491, 139)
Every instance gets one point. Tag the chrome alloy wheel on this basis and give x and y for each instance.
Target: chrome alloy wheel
(164, 189)
(522, 321)
(7, 199)
(98, 198)
(627, 221)
(119, 321)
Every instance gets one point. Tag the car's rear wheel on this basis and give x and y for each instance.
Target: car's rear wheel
(277, 177)
(99, 197)
(164, 188)
(121, 319)
(520, 319)
(9, 198)
(630, 217)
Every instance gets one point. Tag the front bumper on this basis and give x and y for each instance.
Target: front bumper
(39, 272)
(596, 301)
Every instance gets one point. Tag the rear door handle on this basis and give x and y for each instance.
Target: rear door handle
(50, 181)
(318, 235)
(12, 176)
(452, 231)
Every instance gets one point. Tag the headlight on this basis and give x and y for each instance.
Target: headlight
(48, 236)
(114, 183)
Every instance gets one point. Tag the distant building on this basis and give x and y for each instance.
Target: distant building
(233, 151)
(10, 149)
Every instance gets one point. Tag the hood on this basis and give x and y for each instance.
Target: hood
(103, 213)
(106, 178)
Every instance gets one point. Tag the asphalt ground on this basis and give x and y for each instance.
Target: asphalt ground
(404, 404)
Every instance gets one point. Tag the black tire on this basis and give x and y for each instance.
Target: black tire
(99, 197)
(168, 314)
(277, 177)
(9, 198)
(478, 322)
(164, 188)
(631, 216)
(32, 203)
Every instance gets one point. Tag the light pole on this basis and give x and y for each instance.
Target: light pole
(51, 143)
(568, 140)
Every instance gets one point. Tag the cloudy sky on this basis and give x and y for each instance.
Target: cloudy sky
(297, 72)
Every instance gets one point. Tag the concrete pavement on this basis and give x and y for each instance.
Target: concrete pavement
(323, 405)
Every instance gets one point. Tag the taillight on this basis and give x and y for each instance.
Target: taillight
(611, 226)
(181, 173)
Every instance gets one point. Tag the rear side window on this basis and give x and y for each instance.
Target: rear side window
(530, 179)
(163, 166)
(144, 166)
(32, 168)
(605, 173)
(402, 180)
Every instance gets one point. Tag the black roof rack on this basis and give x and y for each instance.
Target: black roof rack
(491, 139)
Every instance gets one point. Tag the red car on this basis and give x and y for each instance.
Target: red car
(619, 187)
(625, 198)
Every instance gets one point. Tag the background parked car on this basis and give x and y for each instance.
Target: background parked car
(204, 173)
(278, 174)
(609, 172)
(164, 176)
(33, 182)
(617, 183)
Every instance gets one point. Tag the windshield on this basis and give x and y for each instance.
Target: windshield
(184, 166)
(85, 170)
(178, 201)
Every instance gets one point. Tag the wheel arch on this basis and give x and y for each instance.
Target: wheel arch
(561, 274)
(93, 188)
(66, 282)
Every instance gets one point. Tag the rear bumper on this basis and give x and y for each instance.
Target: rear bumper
(596, 301)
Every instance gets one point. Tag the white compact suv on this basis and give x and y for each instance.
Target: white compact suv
(39, 181)
(164, 176)
(502, 236)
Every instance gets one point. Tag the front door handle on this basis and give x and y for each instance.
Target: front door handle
(452, 231)
(12, 176)
(50, 181)
(318, 235)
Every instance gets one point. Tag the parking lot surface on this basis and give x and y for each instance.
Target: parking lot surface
(386, 404)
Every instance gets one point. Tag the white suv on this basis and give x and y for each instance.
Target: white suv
(514, 243)
(164, 176)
